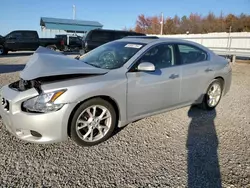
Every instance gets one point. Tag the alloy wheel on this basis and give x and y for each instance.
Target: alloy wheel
(214, 94)
(93, 123)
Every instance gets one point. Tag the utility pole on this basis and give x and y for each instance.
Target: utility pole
(162, 22)
(74, 12)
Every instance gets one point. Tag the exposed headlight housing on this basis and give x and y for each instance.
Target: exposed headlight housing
(44, 102)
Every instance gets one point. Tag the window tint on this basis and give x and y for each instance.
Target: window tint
(101, 36)
(161, 56)
(15, 35)
(190, 54)
(29, 35)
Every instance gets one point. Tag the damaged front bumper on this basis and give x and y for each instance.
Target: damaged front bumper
(32, 127)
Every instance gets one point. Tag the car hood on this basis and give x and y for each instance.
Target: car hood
(45, 63)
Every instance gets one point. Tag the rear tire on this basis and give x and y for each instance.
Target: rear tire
(213, 95)
(3, 51)
(93, 122)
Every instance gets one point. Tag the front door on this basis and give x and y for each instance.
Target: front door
(149, 92)
(13, 40)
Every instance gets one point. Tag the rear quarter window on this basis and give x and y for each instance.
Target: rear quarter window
(191, 54)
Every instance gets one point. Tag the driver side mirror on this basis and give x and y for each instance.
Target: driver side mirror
(146, 66)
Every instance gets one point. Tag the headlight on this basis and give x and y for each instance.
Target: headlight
(44, 103)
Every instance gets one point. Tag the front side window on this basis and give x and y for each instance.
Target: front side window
(161, 56)
(190, 54)
(16, 35)
(112, 55)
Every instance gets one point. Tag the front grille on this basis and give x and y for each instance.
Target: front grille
(5, 104)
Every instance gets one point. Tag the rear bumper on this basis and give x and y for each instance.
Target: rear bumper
(52, 127)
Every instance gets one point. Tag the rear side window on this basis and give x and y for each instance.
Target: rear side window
(101, 36)
(191, 54)
(31, 35)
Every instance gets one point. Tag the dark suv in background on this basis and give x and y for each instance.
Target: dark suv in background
(97, 37)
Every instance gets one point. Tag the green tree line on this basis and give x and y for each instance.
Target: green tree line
(194, 23)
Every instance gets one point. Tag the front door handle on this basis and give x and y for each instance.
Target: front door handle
(208, 70)
(173, 76)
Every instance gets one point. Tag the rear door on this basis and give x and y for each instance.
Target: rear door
(29, 40)
(194, 71)
(150, 92)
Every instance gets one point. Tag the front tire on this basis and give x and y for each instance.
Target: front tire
(213, 95)
(93, 122)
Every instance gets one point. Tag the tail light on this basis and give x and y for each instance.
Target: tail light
(62, 42)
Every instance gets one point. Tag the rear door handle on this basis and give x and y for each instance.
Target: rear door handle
(173, 76)
(208, 70)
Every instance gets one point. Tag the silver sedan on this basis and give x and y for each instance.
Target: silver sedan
(117, 83)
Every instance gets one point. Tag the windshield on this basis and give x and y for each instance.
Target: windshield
(112, 55)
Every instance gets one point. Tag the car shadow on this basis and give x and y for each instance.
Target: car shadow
(17, 54)
(202, 145)
(8, 68)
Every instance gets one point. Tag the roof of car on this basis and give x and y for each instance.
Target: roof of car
(153, 39)
(111, 30)
(147, 40)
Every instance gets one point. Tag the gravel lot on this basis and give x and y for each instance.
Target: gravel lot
(182, 148)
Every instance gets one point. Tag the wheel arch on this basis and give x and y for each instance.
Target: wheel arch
(223, 81)
(104, 97)
(200, 99)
